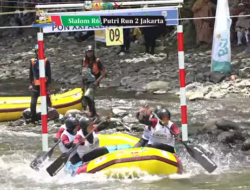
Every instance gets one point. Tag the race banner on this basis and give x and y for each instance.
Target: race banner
(221, 51)
(63, 23)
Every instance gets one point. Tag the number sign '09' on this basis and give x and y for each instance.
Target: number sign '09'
(114, 36)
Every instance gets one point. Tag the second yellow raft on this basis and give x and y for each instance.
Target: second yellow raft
(11, 108)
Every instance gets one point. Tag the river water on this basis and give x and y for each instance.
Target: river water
(19, 147)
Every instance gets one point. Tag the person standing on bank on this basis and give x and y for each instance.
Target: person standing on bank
(35, 83)
(93, 72)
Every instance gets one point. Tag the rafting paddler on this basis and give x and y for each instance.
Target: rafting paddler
(35, 83)
(63, 127)
(93, 72)
(68, 135)
(163, 130)
(86, 145)
(142, 115)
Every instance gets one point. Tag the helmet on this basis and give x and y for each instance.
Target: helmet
(36, 47)
(84, 123)
(157, 109)
(71, 123)
(69, 115)
(163, 112)
(89, 48)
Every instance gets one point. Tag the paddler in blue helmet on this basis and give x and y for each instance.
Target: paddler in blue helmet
(35, 84)
(163, 130)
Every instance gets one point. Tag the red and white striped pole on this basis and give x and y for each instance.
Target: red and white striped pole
(43, 91)
(184, 126)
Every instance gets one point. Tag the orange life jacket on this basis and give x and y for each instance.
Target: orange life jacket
(35, 71)
(95, 68)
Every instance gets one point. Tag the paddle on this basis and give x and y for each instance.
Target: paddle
(123, 124)
(60, 162)
(197, 154)
(42, 156)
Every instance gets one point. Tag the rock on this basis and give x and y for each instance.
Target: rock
(73, 111)
(189, 77)
(226, 137)
(129, 119)
(17, 123)
(246, 145)
(160, 92)
(243, 84)
(120, 128)
(210, 127)
(115, 82)
(137, 127)
(157, 85)
(217, 77)
(246, 134)
(119, 112)
(53, 114)
(225, 85)
(226, 125)
(245, 72)
(215, 95)
(196, 96)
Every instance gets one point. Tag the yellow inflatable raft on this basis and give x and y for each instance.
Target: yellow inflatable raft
(116, 139)
(11, 108)
(149, 160)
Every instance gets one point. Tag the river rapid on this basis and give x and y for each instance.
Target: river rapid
(19, 147)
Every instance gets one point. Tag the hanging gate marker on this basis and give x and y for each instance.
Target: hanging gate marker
(114, 36)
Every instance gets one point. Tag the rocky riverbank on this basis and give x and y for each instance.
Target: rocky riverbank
(226, 134)
(135, 71)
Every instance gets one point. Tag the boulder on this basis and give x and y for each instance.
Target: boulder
(226, 137)
(246, 145)
(226, 125)
(217, 77)
(157, 85)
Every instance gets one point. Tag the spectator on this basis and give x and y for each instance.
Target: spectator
(126, 39)
(15, 21)
(242, 25)
(204, 31)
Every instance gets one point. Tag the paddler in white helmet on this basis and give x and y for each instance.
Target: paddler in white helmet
(163, 130)
(142, 114)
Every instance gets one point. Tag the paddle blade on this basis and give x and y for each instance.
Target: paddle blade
(200, 157)
(38, 161)
(57, 165)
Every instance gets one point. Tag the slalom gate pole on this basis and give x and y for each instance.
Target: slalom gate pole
(43, 91)
(184, 126)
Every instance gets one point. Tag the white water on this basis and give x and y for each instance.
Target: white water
(15, 172)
